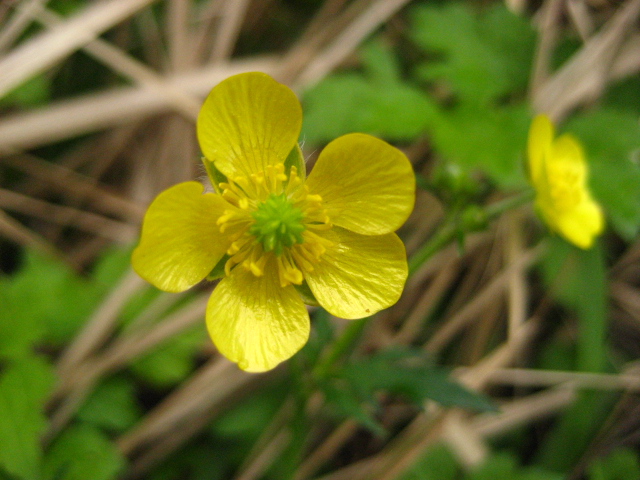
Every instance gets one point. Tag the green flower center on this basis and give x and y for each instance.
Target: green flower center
(278, 224)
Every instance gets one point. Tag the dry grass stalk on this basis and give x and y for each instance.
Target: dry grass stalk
(68, 216)
(461, 318)
(420, 434)
(581, 18)
(132, 69)
(266, 457)
(330, 20)
(74, 184)
(75, 385)
(466, 442)
(346, 42)
(98, 328)
(549, 32)
(523, 411)
(189, 401)
(182, 422)
(232, 16)
(44, 50)
(119, 106)
(517, 290)
(22, 17)
(583, 78)
(428, 301)
(327, 449)
(524, 377)
(178, 35)
(14, 230)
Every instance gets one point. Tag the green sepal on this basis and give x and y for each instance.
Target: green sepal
(307, 295)
(215, 176)
(218, 270)
(296, 159)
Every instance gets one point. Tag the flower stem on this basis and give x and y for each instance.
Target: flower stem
(348, 336)
(449, 230)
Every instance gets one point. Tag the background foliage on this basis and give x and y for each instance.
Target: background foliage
(512, 354)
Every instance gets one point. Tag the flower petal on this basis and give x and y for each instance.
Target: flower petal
(567, 157)
(367, 186)
(581, 225)
(248, 121)
(180, 242)
(539, 145)
(254, 321)
(360, 275)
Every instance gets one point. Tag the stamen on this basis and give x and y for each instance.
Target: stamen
(274, 216)
(287, 272)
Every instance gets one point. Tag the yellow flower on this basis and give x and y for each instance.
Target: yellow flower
(275, 230)
(558, 172)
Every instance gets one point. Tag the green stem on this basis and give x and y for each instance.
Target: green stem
(349, 335)
(446, 233)
(449, 230)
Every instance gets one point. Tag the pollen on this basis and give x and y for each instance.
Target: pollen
(272, 214)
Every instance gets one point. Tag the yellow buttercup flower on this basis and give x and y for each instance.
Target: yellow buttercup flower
(275, 230)
(558, 172)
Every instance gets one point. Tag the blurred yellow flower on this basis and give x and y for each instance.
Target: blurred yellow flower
(274, 229)
(558, 172)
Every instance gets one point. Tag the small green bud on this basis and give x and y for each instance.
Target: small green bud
(473, 219)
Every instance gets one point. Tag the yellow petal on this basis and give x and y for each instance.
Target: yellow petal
(255, 322)
(540, 139)
(582, 224)
(360, 275)
(567, 158)
(248, 121)
(180, 242)
(367, 185)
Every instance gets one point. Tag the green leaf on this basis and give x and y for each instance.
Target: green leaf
(248, 420)
(505, 466)
(20, 329)
(612, 143)
(82, 452)
(482, 120)
(489, 140)
(438, 463)
(199, 461)
(620, 464)
(374, 102)
(170, 362)
(24, 386)
(112, 265)
(32, 93)
(345, 404)
(112, 405)
(578, 280)
(407, 372)
(468, 50)
(48, 302)
(569, 439)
